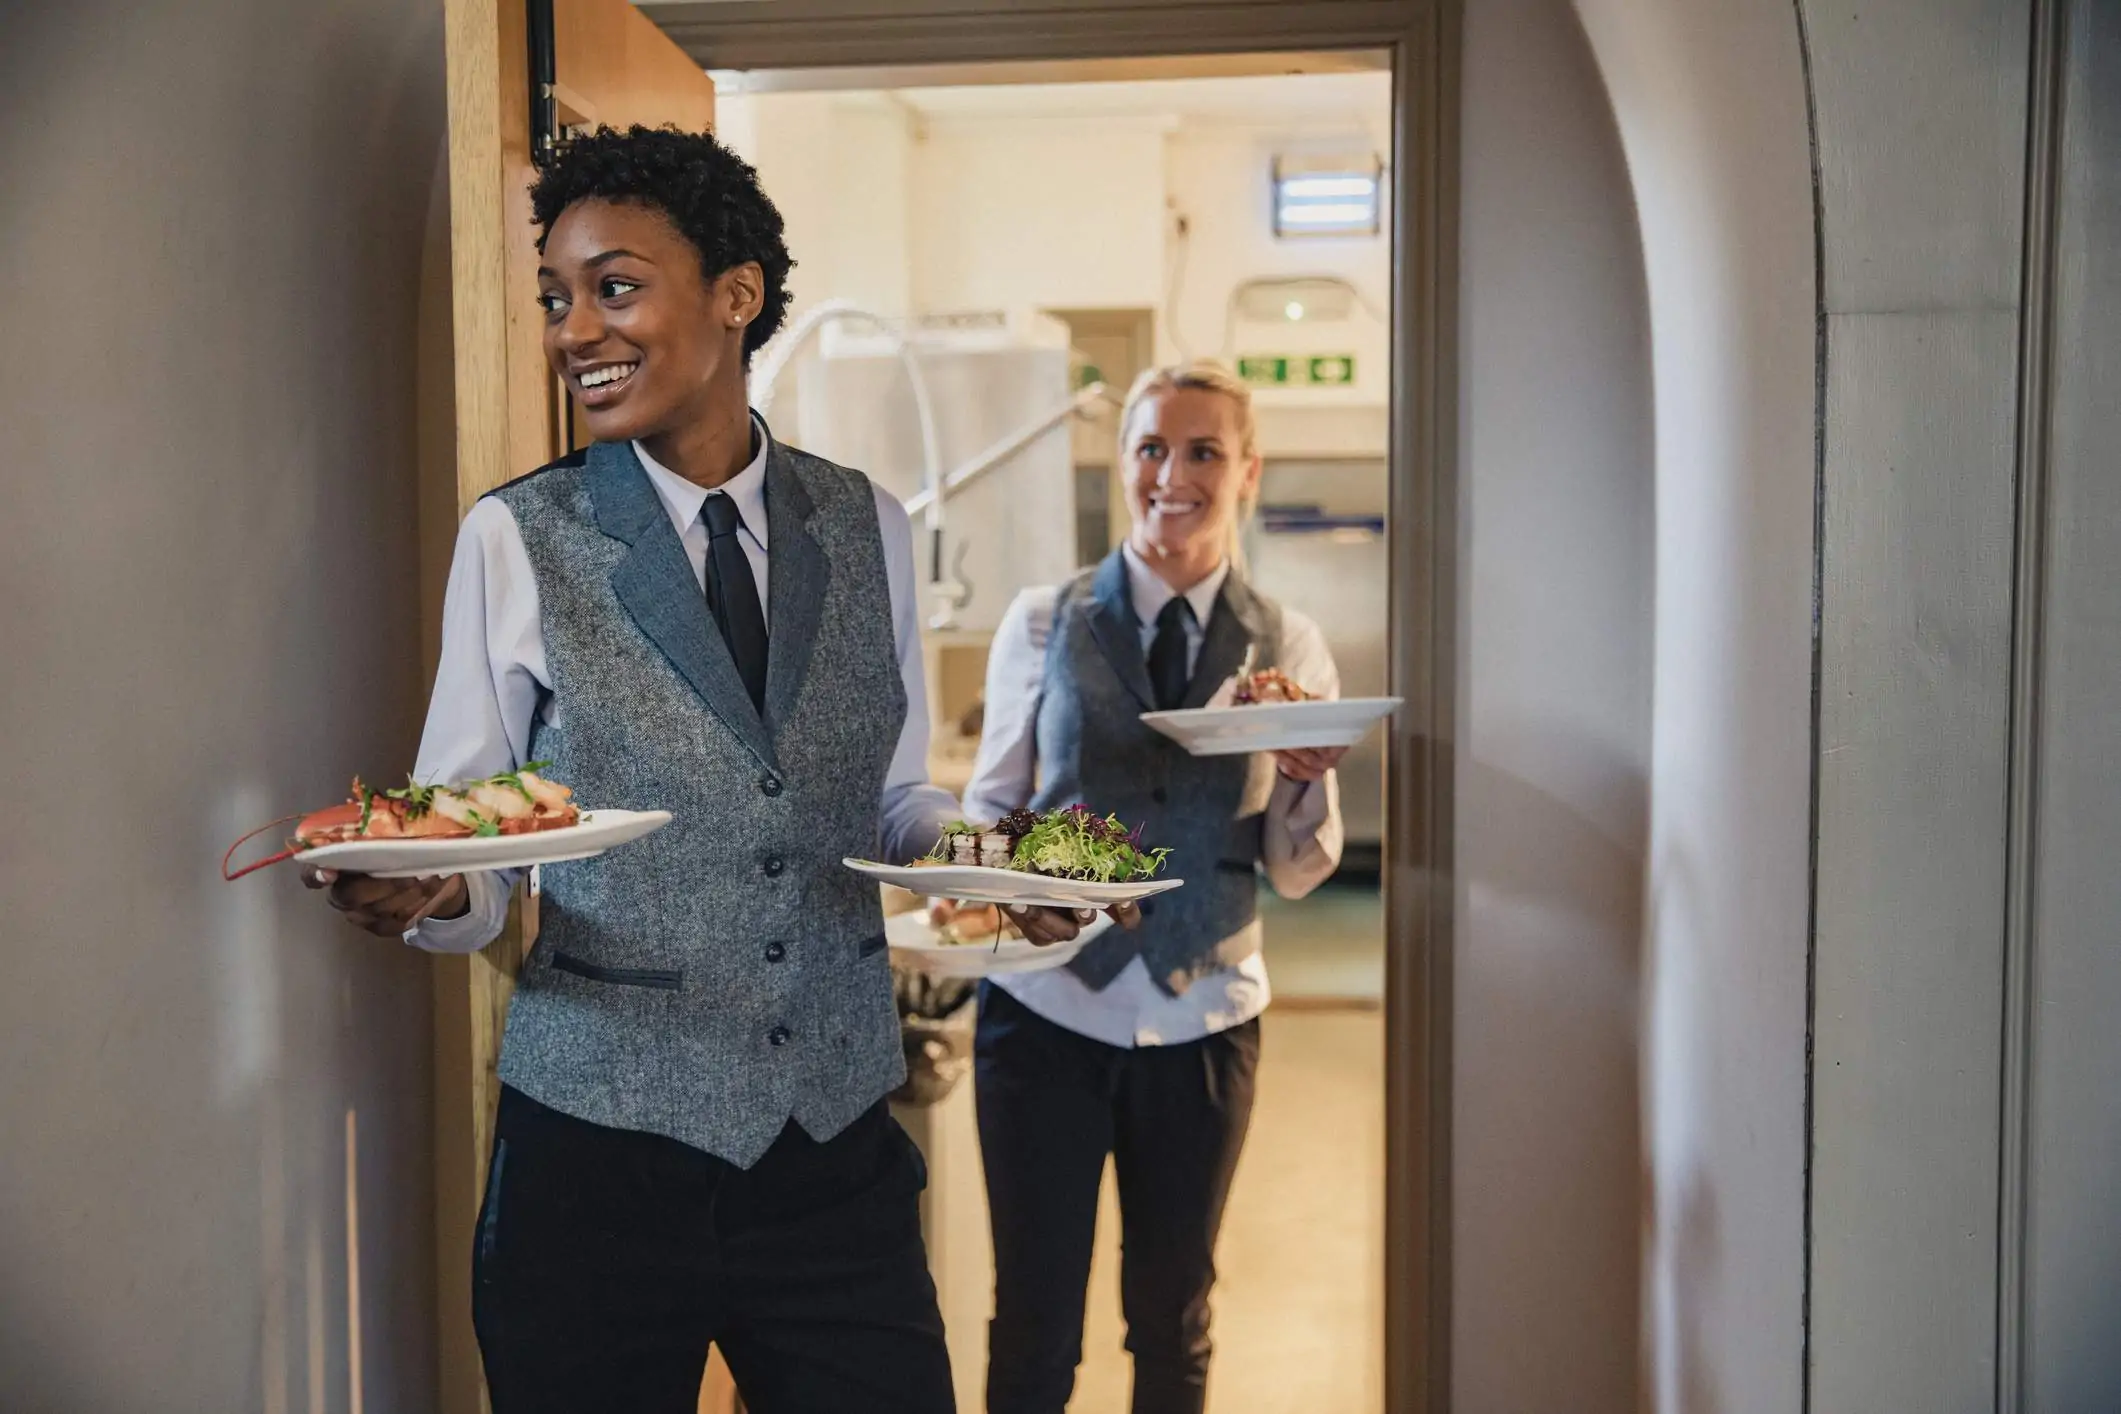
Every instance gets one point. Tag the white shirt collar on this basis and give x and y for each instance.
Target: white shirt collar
(1150, 593)
(683, 499)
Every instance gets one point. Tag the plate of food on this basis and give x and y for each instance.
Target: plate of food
(1269, 711)
(1069, 858)
(509, 821)
(975, 940)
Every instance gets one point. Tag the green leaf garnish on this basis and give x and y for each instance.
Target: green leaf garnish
(416, 798)
(1072, 844)
(1075, 844)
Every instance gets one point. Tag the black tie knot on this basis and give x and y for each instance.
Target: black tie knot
(723, 518)
(1176, 614)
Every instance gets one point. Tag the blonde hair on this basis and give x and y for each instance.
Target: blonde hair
(1205, 376)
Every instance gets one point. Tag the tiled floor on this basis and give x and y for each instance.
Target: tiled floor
(1298, 1311)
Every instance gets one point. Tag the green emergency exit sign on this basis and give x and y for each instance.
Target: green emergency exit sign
(1282, 370)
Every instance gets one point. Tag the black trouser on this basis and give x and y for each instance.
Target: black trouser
(1052, 1104)
(608, 1260)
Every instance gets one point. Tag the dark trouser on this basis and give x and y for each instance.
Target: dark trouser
(1052, 1104)
(608, 1260)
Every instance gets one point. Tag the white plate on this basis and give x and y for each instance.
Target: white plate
(1272, 726)
(598, 831)
(916, 944)
(976, 885)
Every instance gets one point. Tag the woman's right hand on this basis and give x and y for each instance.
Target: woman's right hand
(390, 908)
(1047, 926)
(1041, 927)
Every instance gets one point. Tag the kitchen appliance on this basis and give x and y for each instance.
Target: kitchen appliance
(1318, 545)
(988, 378)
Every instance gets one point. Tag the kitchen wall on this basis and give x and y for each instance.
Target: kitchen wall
(214, 1098)
(1054, 212)
(1219, 176)
(940, 203)
(839, 167)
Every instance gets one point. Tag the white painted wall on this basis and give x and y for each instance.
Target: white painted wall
(1710, 100)
(2073, 1305)
(837, 165)
(216, 1144)
(957, 200)
(1557, 466)
(1220, 178)
(1065, 213)
(1921, 127)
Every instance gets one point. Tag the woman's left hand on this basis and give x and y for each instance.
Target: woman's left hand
(1308, 763)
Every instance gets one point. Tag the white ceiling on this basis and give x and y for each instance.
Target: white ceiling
(1363, 99)
(1349, 100)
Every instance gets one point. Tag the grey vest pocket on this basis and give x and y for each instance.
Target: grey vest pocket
(870, 946)
(652, 977)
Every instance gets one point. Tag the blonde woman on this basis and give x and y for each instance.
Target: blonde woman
(1145, 1046)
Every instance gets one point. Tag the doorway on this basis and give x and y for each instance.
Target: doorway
(1027, 243)
(1074, 40)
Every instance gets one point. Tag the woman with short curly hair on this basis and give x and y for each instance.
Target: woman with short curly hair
(692, 1145)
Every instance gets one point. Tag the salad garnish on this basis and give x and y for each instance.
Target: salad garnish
(1073, 843)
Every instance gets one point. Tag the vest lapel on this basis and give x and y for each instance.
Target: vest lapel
(1110, 613)
(801, 574)
(656, 586)
(1235, 626)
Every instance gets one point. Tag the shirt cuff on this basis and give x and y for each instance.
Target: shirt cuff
(1301, 807)
(914, 817)
(488, 893)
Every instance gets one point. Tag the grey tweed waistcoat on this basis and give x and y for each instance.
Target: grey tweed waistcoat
(1093, 750)
(726, 973)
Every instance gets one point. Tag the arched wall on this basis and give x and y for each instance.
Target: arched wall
(1710, 101)
(1902, 377)
(1552, 782)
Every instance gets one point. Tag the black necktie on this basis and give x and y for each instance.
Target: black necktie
(1168, 670)
(733, 595)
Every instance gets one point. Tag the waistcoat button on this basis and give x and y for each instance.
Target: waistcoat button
(778, 1036)
(771, 786)
(1159, 795)
(773, 866)
(775, 952)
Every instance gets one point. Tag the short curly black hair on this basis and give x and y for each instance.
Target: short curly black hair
(709, 193)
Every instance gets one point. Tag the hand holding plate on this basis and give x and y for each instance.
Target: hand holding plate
(1047, 926)
(389, 908)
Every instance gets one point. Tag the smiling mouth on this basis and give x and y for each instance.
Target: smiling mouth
(1175, 506)
(608, 379)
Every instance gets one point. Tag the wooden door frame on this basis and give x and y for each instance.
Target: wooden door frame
(510, 417)
(1422, 38)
